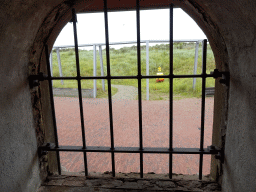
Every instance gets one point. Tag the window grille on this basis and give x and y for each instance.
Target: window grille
(211, 150)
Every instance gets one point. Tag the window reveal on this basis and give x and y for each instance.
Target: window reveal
(140, 150)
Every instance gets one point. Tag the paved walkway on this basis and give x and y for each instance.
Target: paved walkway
(125, 92)
(155, 117)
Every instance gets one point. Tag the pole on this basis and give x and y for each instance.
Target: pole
(94, 72)
(59, 63)
(147, 68)
(101, 67)
(195, 64)
(51, 62)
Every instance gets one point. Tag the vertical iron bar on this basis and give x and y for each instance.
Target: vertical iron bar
(109, 87)
(53, 108)
(74, 19)
(171, 92)
(139, 85)
(203, 107)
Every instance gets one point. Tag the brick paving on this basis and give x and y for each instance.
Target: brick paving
(186, 133)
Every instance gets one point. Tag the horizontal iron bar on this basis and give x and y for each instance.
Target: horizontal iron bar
(129, 149)
(130, 42)
(126, 77)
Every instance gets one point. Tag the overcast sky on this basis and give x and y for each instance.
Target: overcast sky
(154, 25)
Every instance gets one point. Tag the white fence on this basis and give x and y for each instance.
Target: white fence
(57, 48)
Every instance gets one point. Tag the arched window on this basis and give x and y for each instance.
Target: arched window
(170, 150)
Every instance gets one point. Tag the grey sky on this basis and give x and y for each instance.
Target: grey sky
(122, 27)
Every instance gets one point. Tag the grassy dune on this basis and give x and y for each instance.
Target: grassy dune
(123, 62)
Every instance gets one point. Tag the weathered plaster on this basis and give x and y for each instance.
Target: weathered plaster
(27, 26)
(19, 170)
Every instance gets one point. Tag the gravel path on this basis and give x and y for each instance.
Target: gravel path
(125, 92)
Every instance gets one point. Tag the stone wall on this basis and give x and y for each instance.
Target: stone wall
(237, 22)
(26, 26)
(19, 109)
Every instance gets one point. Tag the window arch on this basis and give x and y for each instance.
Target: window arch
(52, 35)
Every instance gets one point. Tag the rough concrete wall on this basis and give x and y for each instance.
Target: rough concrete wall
(235, 21)
(228, 23)
(19, 23)
(237, 24)
(26, 18)
(240, 150)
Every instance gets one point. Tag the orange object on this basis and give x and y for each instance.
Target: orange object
(159, 73)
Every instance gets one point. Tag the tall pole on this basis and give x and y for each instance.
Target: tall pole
(195, 64)
(147, 67)
(102, 68)
(51, 62)
(59, 63)
(94, 72)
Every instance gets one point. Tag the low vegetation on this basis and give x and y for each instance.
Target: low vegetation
(123, 62)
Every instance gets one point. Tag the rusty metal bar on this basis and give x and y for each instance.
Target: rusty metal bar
(130, 77)
(139, 85)
(109, 88)
(171, 92)
(148, 150)
(53, 108)
(202, 108)
(74, 20)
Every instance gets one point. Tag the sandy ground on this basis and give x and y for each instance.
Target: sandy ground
(186, 133)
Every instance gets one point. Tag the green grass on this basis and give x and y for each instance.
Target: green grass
(124, 63)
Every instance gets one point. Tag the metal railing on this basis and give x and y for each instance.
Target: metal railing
(100, 45)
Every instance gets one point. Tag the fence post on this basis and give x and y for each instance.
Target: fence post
(101, 67)
(195, 64)
(94, 72)
(59, 63)
(202, 55)
(51, 62)
(147, 68)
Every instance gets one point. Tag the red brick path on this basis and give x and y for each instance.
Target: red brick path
(186, 118)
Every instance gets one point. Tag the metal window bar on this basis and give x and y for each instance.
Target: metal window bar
(74, 20)
(129, 77)
(53, 108)
(55, 147)
(171, 92)
(202, 108)
(139, 86)
(109, 88)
